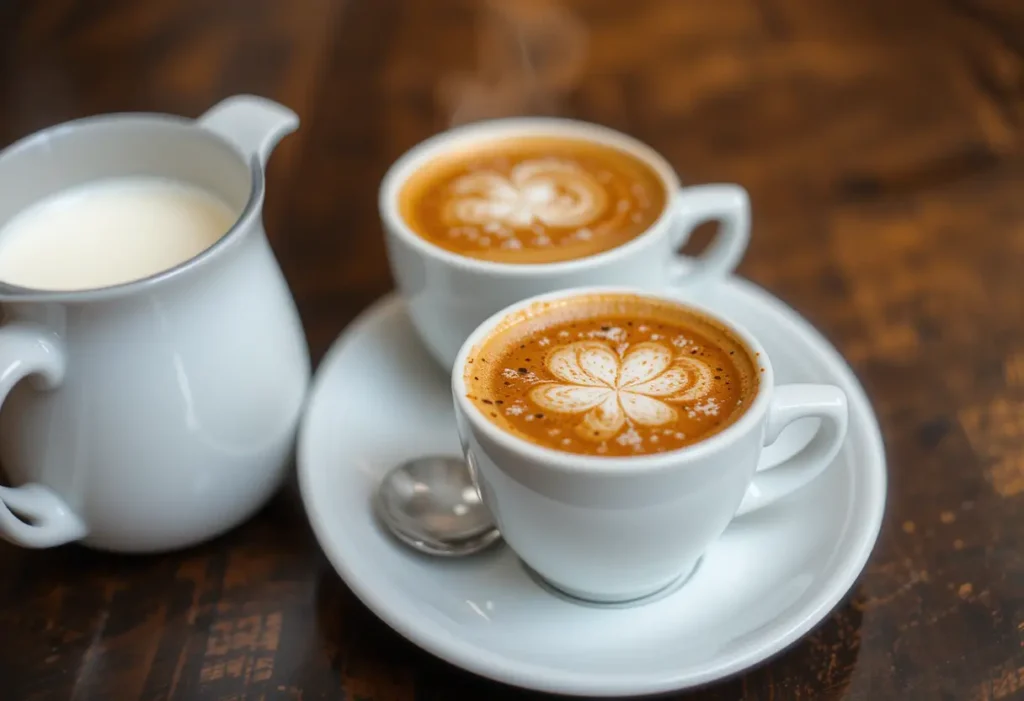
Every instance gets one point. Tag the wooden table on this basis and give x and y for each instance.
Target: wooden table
(881, 141)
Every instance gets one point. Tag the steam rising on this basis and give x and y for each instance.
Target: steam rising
(530, 55)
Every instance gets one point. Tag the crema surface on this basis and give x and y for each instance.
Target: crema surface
(532, 200)
(612, 375)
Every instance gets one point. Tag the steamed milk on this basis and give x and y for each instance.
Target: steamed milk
(110, 232)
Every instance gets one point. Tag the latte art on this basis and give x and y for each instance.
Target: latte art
(532, 200)
(616, 375)
(546, 191)
(611, 390)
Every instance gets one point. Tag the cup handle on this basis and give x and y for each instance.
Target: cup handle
(727, 204)
(27, 350)
(791, 403)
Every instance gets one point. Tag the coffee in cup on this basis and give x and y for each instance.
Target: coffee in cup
(532, 199)
(612, 375)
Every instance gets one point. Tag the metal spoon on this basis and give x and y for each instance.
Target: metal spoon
(432, 505)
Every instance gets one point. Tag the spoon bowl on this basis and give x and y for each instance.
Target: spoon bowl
(432, 505)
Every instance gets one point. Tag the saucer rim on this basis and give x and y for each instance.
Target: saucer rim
(500, 667)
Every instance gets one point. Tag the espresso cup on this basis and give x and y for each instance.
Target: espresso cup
(449, 294)
(613, 528)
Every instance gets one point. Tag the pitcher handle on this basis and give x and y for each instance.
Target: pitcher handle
(251, 123)
(27, 350)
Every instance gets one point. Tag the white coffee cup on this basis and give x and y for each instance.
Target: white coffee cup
(448, 295)
(155, 414)
(620, 528)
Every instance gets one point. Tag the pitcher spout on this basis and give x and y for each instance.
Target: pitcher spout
(253, 124)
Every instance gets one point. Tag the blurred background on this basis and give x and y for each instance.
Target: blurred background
(817, 107)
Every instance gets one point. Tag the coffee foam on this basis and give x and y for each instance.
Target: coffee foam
(611, 375)
(530, 194)
(532, 199)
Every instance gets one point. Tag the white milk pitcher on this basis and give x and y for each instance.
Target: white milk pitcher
(155, 414)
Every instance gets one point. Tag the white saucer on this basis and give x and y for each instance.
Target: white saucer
(378, 399)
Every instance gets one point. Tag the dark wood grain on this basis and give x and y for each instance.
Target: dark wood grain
(883, 146)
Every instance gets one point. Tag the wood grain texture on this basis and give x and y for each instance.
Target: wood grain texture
(882, 142)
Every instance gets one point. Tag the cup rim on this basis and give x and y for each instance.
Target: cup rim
(597, 464)
(485, 130)
(251, 208)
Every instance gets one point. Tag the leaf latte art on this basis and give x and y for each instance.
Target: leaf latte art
(609, 390)
(532, 200)
(612, 374)
(547, 191)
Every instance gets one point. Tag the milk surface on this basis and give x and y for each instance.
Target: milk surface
(110, 232)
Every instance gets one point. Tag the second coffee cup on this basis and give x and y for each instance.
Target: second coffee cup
(488, 214)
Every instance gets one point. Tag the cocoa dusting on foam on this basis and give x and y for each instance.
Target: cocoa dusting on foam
(532, 200)
(613, 375)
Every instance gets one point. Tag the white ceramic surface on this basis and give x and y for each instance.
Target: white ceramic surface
(593, 526)
(449, 295)
(379, 399)
(159, 413)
